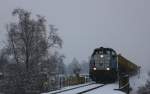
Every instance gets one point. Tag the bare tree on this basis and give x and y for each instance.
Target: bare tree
(75, 67)
(28, 39)
(3, 59)
(85, 67)
(54, 63)
(29, 44)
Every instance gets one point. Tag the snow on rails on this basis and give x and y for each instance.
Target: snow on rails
(78, 89)
(89, 88)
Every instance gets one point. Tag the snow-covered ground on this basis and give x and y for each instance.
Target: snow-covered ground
(135, 82)
(69, 87)
(75, 91)
(107, 89)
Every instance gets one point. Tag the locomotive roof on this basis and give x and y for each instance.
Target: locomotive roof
(103, 49)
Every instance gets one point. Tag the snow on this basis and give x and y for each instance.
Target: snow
(107, 89)
(69, 87)
(138, 81)
(75, 91)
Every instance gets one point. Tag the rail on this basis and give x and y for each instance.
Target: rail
(90, 89)
(72, 88)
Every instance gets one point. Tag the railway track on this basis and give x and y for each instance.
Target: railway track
(61, 91)
(85, 91)
(80, 89)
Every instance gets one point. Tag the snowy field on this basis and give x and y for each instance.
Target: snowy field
(107, 89)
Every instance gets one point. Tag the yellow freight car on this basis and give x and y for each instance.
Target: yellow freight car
(126, 66)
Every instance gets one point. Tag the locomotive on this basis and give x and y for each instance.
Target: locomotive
(105, 65)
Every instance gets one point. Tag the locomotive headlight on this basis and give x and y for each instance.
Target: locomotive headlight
(94, 68)
(107, 68)
(101, 56)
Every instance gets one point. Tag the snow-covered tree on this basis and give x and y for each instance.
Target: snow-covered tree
(28, 44)
(84, 67)
(74, 67)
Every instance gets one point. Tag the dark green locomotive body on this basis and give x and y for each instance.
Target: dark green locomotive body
(103, 65)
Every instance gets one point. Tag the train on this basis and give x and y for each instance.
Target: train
(106, 65)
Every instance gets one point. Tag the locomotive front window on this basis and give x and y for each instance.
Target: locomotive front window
(113, 53)
(108, 52)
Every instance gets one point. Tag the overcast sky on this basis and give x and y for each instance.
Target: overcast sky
(84, 25)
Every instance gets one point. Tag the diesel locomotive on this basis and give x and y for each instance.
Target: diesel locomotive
(105, 65)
